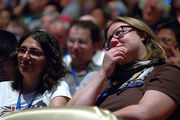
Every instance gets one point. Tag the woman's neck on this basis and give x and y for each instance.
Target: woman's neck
(29, 86)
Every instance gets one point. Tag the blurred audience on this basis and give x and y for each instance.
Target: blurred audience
(133, 8)
(60, 30)
(99, 54)
(70, 9)
(18, 28)
(168, 33)
(117, 7)
(153, 11)
(89, 17)
(5, 17)
(175, 10)
(82, 43)
(8, 45)
(48, 17)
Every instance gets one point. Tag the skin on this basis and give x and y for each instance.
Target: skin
(58, 30)
(151, 14)
(32, 67)
(167, 34)
(128, 50)
(5, 17)
(81, 53)
(89, 17)
(152, 106)
(46, 20)
(171, 47)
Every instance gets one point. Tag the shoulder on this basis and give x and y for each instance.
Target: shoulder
(62, 89)
(62, 83)
(5, 88)
(5, 84)
(165, 78)
(167, 70)
(166, 73)
(169, 66)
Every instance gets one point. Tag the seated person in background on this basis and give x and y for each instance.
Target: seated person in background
(168, 33)
(8, 44)
(99, 54)
(153, 11)
(82, 43)
(39, 71)
(134, 81)
(18, 28)
(5, 18)
(60, 30)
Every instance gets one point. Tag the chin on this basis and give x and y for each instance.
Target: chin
(25, 70)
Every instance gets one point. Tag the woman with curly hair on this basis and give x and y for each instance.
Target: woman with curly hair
(39, 70)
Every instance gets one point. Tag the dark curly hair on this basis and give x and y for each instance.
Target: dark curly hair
(55, 68)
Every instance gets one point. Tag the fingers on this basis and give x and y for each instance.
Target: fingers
(175, 51)
(118, 53)
(111, 57)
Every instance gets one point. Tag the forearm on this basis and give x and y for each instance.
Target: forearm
(132, 112)
(154, 105)
(88, 95)
(59, 101)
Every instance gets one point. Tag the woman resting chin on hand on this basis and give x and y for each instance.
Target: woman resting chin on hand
(134, 81)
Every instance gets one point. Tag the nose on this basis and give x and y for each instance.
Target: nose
(76, 45)
(26, 55)
(114, 42)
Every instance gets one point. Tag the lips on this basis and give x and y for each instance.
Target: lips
(75, 53)
(25, 65)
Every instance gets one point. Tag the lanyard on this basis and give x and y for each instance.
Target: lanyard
(18, 107)
(75, 76)
(110, 82)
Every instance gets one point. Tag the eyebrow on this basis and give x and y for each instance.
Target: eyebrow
(31, 48)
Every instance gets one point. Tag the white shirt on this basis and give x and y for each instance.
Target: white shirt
(9, 97)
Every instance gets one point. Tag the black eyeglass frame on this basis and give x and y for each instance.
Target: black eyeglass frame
(107, 42)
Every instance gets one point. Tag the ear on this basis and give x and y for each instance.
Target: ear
(143, 36)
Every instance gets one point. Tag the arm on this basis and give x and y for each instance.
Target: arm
(88, 95)
(61, 95)
(59, 101)
(154, 105)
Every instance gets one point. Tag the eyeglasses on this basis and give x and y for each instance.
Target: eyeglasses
(118, 33)
(32, 51)
(79, 41)
(166, 41)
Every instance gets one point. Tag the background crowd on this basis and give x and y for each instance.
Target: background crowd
(78, 26)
